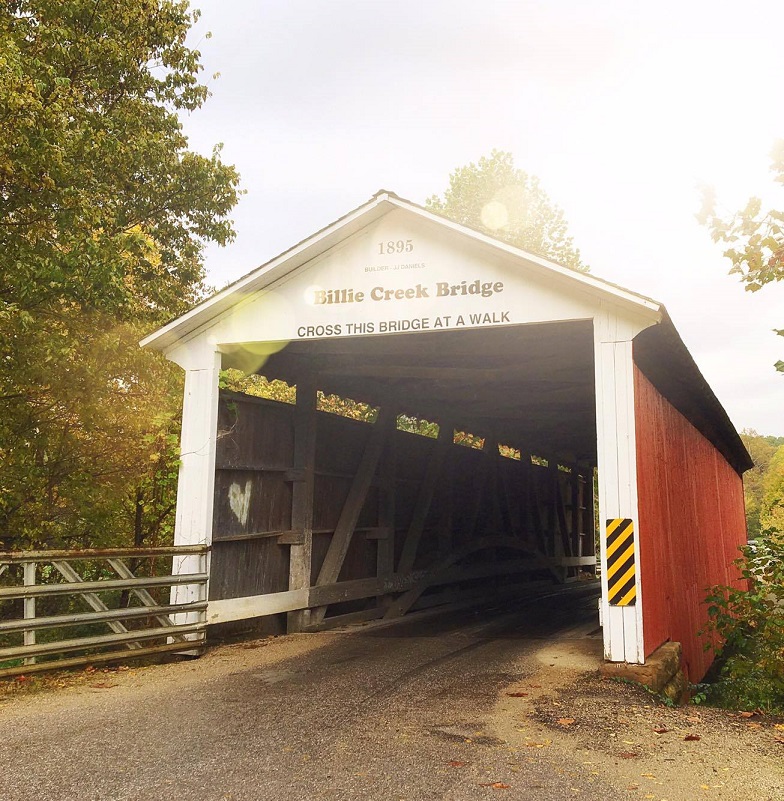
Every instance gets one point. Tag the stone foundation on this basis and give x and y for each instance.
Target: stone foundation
(661, 673)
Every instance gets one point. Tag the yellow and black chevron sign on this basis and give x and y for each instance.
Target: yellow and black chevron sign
(621, 568)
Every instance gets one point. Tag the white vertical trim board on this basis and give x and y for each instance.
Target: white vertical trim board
(617, 466)
(196, 482)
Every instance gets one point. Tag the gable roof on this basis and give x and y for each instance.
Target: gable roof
(659, 351)
(380, 204)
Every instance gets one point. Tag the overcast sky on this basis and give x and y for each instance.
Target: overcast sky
(621, 109)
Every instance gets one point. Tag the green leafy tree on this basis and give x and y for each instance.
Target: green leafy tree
(507, 203)
(104, 213)
(772, 506)
(755, 236)
(761, 450)
(748, 622)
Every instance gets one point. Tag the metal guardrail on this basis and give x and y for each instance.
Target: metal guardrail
(80, 589)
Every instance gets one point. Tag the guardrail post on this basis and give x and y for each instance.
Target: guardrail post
(29, 608)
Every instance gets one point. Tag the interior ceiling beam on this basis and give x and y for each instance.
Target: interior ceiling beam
(531, 387)
(508, 374)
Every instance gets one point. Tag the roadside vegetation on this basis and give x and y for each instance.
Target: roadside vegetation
(748, 620)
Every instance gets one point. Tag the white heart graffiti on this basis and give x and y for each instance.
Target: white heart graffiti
(239, 501)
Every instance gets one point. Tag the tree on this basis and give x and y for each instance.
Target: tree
(772, 506)
(502, 201)
(763, 485)
(104, 213)
(756, 238)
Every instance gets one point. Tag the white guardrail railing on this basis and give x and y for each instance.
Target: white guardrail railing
(57, 606)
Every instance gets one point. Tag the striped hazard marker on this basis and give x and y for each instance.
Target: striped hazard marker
(621, 567)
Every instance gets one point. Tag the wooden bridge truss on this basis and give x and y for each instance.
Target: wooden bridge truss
(333, 520)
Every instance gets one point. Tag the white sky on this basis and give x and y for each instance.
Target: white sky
(621, 109)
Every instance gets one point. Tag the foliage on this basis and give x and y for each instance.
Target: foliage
(763, 485)
(502, 201)
(257, 385)
(276, 390)
(89, 443)
(756, 237)
(104, 213)
(772, 511)
(748, 621)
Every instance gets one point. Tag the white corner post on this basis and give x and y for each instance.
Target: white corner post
(617, 467)
(196, 482)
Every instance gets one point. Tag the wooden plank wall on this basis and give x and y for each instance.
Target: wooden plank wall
(255, 450)
(692, 522)
(449, 494)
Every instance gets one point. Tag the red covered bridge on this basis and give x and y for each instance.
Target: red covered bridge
(564, 382)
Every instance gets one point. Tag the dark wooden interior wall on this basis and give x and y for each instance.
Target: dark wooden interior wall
(255, 448)
(477, 494)
(692, 522)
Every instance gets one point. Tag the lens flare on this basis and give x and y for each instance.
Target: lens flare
(494, 215)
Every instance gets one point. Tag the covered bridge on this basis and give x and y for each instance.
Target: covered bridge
(558, 380)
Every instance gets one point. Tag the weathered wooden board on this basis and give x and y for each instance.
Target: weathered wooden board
(401, 503)
(691, 524)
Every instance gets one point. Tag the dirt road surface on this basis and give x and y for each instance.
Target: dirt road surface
(499, 704)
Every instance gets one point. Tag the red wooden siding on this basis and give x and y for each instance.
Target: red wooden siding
(691, 523)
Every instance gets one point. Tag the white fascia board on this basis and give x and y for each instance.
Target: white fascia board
(596, 285)
(167, 336)
(381, 203)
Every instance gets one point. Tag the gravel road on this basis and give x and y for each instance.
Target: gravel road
(454, 706)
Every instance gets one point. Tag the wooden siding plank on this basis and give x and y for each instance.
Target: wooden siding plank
(228, 610)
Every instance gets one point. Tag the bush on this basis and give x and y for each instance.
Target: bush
(748, 622)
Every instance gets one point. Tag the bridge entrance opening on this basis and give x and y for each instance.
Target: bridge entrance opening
(412, 470)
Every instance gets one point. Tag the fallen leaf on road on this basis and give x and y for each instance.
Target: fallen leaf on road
(779, 726)
(103, 685)
(496, 785)
(517, 695)
(746, 714)
(647, 776)
(693, 719)
(628, 755)
(565, 721)
(662, 730)
(692, 737)
(778, 739)
(456, 763)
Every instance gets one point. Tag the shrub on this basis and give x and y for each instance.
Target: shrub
(748, 622)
